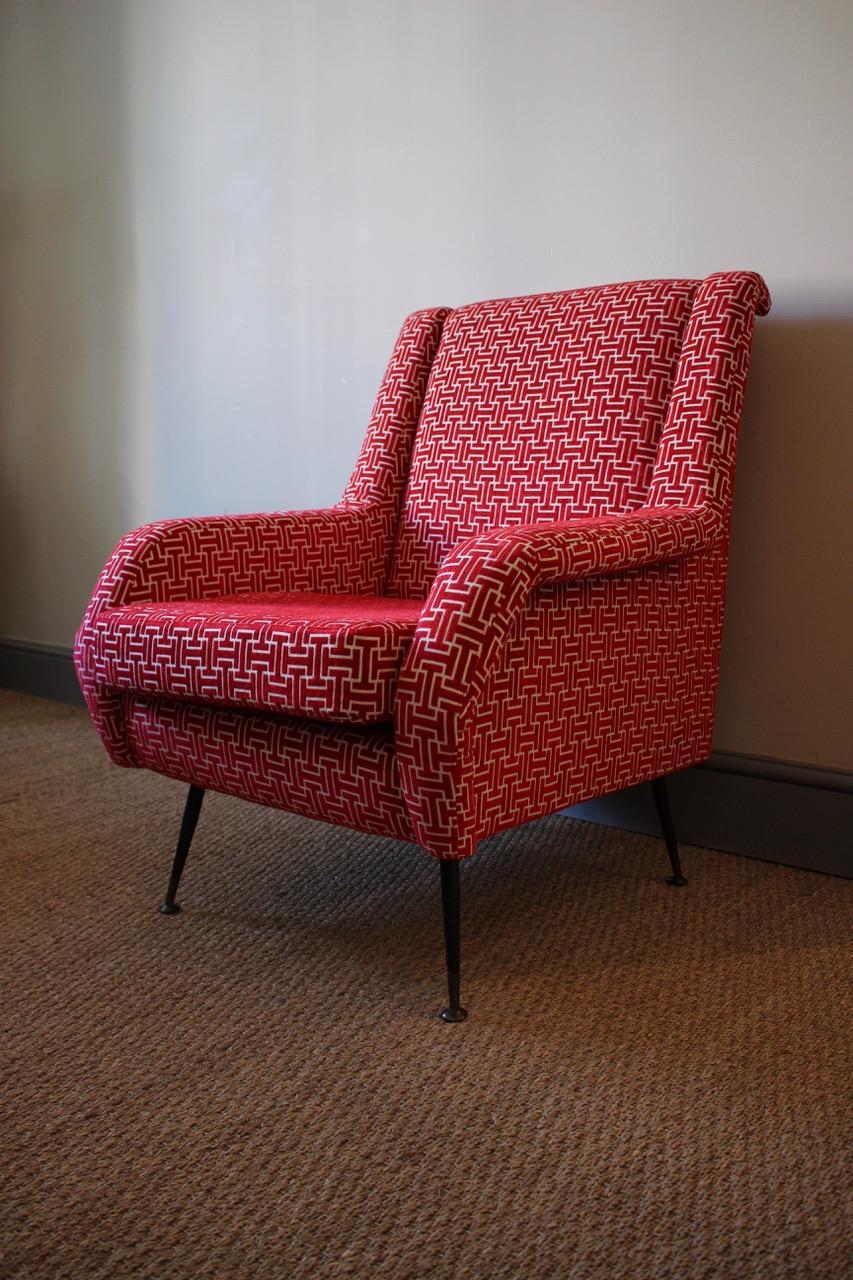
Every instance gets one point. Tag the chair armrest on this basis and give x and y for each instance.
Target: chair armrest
(200, 557)
(484, 582)
(339, 549)
(478, 596)
(560, 551)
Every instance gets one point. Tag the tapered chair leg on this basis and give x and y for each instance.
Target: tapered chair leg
(192, 809)
(450, 914)
(661, 795)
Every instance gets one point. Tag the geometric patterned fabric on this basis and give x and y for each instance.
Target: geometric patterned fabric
(517, 604)
(539, 408)
(326, 657)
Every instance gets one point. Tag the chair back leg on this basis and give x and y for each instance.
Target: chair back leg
(661, 795)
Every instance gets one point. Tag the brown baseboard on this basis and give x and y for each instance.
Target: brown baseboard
(43, 670)
(776, 810)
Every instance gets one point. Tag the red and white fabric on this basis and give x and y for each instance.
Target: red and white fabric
(344, 774)
(322, 656)
(517, 605)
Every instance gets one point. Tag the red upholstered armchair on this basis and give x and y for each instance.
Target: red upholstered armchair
(516, 606)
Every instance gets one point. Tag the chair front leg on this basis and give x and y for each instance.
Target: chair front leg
(192, 809)
(450, 914)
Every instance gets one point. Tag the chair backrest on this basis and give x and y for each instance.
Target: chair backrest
(538, 408)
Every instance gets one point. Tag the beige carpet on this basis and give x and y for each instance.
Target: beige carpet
(652, 1083)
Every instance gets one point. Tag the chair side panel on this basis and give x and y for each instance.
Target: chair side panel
(602, 683)
(633, 665)
(379, 475)
(695, 464)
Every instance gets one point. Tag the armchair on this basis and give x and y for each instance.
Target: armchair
(516, 606)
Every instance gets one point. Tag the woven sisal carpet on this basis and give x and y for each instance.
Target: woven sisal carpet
(651, 1083)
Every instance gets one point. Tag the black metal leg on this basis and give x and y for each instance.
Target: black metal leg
(450, 913)
(661, 796)
(192, 809)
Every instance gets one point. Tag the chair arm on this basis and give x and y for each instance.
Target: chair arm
(339, 549)
(485, 581)
(200, 557)
(477, 597)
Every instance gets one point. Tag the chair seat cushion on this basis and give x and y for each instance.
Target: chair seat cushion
(327, 657)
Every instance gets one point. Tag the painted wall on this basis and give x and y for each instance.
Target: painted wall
(215, 215)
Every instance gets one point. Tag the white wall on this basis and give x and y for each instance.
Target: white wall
(216, 213)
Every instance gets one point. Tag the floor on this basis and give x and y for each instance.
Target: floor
(652, 1082)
